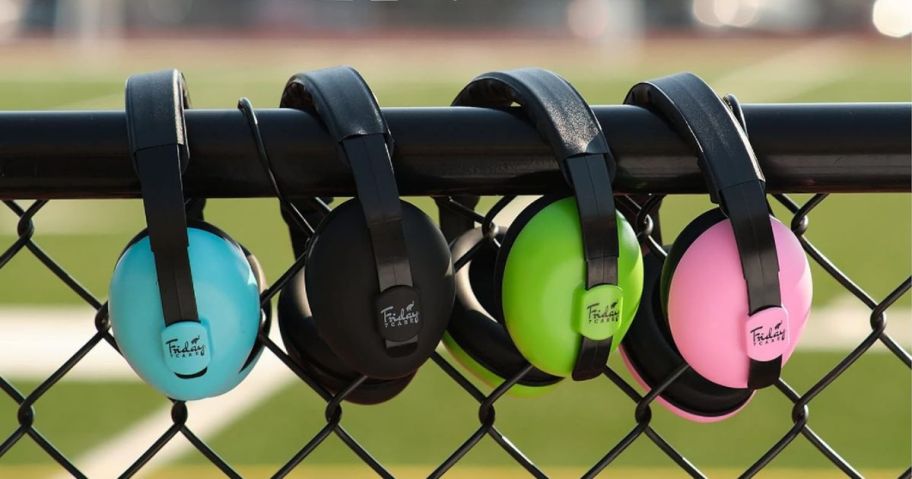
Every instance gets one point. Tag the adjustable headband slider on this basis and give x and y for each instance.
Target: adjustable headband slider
(724, 174)
(365, 149)
(742, 197)
(598, 220)
(592, 158)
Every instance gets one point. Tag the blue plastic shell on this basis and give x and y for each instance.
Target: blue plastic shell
(227, 299)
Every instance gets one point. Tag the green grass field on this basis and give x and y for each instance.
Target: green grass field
(570, 427)
(565, 431)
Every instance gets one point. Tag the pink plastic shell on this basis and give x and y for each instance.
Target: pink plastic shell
(707, 303)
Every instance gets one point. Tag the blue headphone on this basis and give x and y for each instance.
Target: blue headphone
(184, 298)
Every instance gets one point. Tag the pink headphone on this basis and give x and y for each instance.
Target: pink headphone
(733, 294)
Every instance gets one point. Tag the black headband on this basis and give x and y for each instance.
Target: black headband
(157, 136)
(342, 100)
(566, 122)
(734, 180)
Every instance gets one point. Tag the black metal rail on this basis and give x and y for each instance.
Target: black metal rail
(802, 148)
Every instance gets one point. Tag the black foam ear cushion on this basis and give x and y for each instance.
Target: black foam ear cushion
(524, 217)
(260, 276)
(688, 235)
(473, 327)
(653, 355)
(341, 268)
(299, 334)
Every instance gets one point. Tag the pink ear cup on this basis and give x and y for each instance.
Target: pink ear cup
(671, 407)
(707, 302)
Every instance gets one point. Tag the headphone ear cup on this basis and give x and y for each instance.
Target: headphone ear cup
(228, 305)
(650, 355)
(258, 273)
(708, 306)
(542, 274)
(685, 238)
(473, 337)
(340, 260)
(521, 220)
(302, 341)
(266, 313)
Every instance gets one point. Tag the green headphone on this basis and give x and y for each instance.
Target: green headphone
(565, 283)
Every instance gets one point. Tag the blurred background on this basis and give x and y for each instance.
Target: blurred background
(76, 54)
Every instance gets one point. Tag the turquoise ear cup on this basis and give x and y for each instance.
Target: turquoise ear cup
(542, 270)
(228, 303)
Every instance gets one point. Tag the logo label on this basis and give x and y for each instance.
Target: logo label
(185, 348)
(607, 314)
(766, 334)
(770, 335)
(190, 348)
(398, 317)
(598, 311)
(398, 311)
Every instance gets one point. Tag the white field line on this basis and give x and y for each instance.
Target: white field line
(206, 419)
(789, 75)
(34, 342)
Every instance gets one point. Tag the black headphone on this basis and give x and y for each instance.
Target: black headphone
(376, 291)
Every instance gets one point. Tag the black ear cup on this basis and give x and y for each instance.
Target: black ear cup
(266, 311)
(685, 239)
(651, 352)
(472, 325)
(344, 289)
(299, 333)
(524, 217)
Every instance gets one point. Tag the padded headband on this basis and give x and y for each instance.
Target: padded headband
(731, 169)
(345, 104)
(569, 126)
(734, 180)
(157, 137)
(342, 100)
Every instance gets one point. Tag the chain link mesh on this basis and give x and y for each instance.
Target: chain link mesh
(645, 211)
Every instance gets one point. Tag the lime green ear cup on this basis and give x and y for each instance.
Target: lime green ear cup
(477, 340)
(543, 272)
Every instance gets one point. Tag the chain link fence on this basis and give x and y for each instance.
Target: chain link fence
(642, 210)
